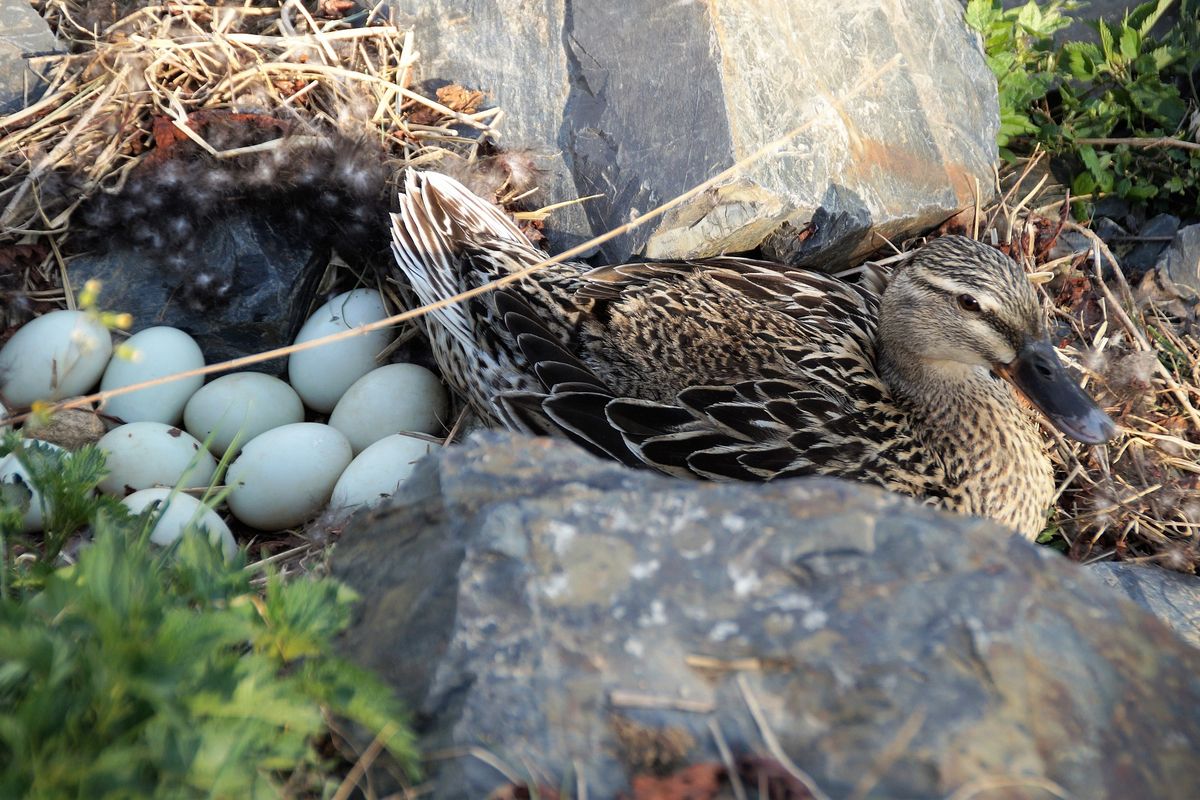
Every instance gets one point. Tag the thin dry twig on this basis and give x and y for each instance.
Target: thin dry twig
(621, 698)
(363, 763)
(735, 780)
(908, 730)
(772, 741)
(978, 786)
(1147, 142)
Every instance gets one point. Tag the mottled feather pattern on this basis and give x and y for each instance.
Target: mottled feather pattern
(723, 368)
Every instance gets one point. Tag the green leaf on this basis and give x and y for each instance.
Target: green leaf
(1147, 15)
(1140, 192)
(1131, 44)
(1160, 103)
(981, 14)
(1106, 39)
(1083, 184)
(1163, 57)
(15, 494)
(1081, 59)
(1029, 17)
(133, 673)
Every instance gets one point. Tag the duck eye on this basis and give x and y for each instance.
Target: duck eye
(968, 303)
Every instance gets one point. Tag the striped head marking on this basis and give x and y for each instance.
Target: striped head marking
(962, 301)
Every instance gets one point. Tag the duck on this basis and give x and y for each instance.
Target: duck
(922, 378)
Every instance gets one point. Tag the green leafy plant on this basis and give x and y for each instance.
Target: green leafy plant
(1119, 113)
(1019, 44)
(140, 671)
(66, 483)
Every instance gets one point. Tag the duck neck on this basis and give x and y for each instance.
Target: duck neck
(992, 453)
(945, 398)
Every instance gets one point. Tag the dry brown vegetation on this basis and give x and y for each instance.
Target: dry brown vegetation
(125, 85)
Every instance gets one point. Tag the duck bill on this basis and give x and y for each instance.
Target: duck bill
(1039, 374)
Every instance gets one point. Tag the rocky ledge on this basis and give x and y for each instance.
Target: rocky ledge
(640, 101)
(559, 620)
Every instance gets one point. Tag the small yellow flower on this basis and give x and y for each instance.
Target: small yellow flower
(39, 413)
(89, 294)
(126, 352)
(113, 320)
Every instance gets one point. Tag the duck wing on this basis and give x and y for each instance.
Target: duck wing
(814, 406)
(720, 368)
(651, 330)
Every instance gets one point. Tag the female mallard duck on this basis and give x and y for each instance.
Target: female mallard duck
(732, 368)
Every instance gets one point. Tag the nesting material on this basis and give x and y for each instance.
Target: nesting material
(232, 104)
(224, 104)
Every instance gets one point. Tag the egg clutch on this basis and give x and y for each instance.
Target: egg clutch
(286, 463)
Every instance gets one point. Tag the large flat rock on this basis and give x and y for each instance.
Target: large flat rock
(23, 35)
(533, 605)
(1173, 597)
(639, 101)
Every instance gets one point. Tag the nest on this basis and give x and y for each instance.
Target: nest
(139, 85)
(139, 81)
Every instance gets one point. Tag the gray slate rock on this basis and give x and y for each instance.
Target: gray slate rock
(1142, 256)
(527, 600)
(1109, 230)
(1171, 596)
(640, 101)
(273, 279)
(1181, 261)
(23, 33)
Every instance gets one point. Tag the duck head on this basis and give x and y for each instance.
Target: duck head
(959, 307)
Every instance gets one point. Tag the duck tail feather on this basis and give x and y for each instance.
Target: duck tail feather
(440, 222)
(581, 417)
(446, 241)
(522, 412)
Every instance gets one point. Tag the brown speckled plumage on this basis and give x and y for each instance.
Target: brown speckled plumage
(736, 369)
